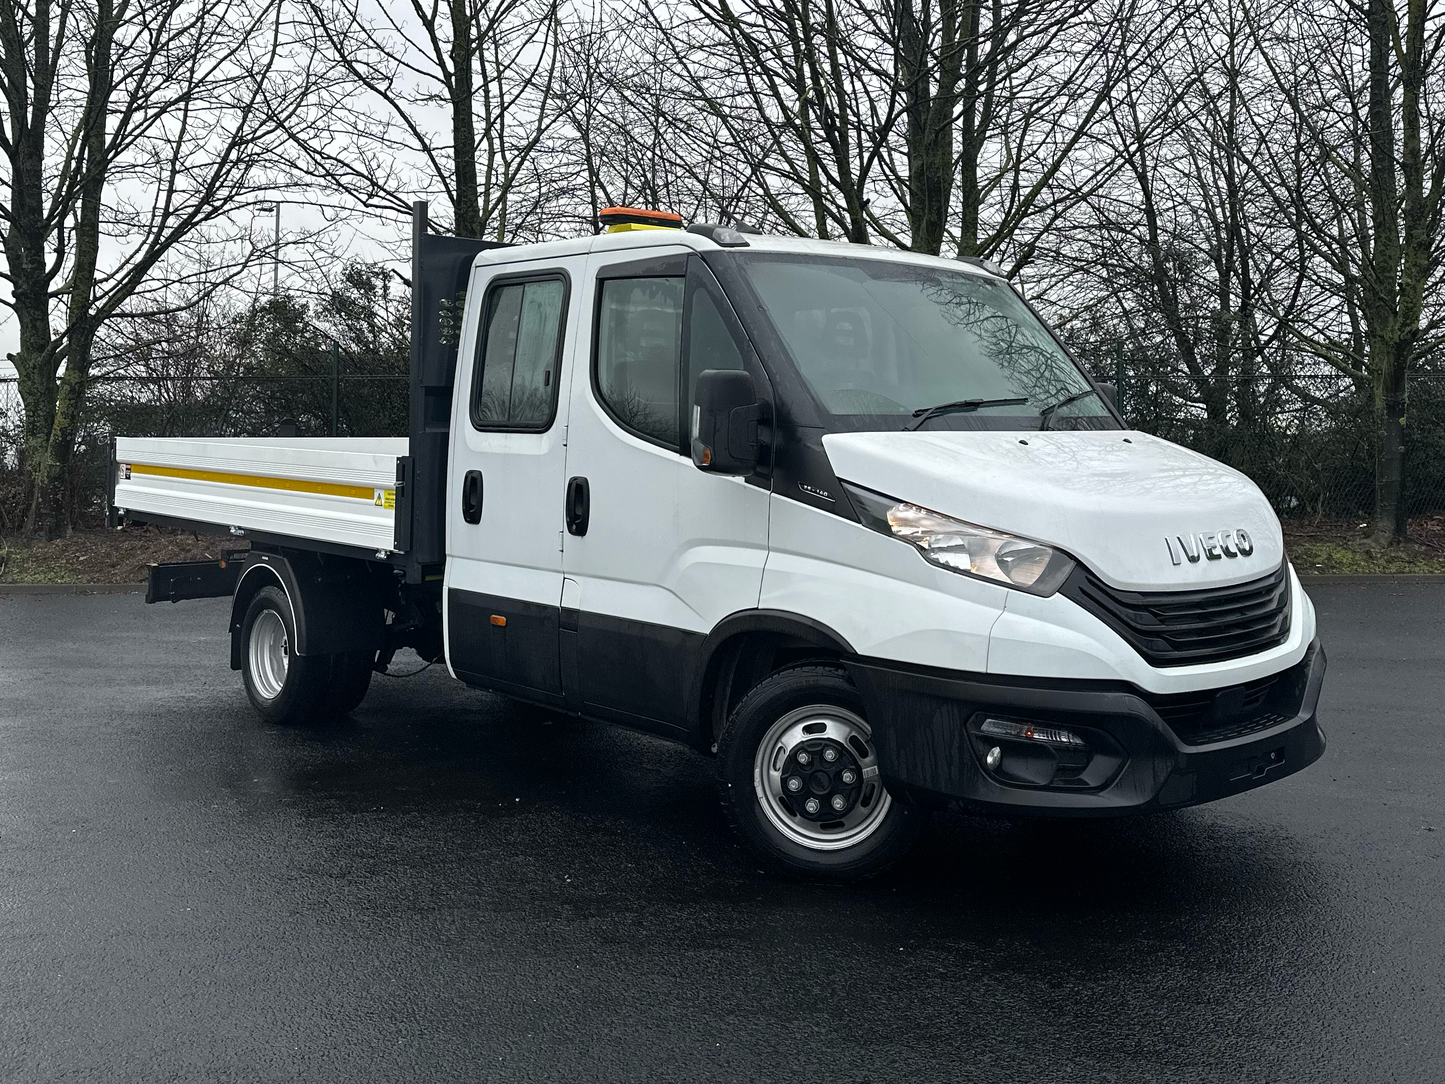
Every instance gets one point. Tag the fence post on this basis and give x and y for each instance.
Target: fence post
(335, 381)
(1119, 374)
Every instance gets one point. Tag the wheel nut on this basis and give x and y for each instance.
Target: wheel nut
(838, 802)
(830, 755)
(795, 783)
(811, 805)
(994, 756)
(849, 776)
(804, 757)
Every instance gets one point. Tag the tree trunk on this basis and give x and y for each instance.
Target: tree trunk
(930, 83)
(1387, 359)
(29, 75)
(466, 203)
(49, 514)
(971, 133)
(1388, 524)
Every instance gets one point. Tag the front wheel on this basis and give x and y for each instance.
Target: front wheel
(798, 775)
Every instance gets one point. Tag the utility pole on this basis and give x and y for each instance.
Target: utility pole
(1119, 375)
(274, 208)
(335, 382)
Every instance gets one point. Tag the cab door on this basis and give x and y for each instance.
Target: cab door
(656, 551)
(508, 454)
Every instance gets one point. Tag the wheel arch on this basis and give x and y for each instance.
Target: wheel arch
(742, 649)
(260, 571)
(335, 601)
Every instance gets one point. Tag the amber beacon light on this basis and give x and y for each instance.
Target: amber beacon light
(625, 219)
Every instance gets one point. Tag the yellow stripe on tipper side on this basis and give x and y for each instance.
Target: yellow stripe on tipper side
(259, 481)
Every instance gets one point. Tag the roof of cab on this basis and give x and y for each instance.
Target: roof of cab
(647, 239)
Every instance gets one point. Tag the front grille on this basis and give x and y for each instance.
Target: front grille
(1220, 714)
(1177, 628)
(1216, 715)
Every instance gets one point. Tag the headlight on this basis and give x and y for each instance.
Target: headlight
(964, 547)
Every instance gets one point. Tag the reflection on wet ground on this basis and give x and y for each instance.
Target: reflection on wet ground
(449, 886)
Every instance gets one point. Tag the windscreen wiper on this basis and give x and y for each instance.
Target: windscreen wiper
(1046, 416)
(963, 406)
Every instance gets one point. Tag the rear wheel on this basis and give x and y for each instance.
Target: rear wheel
(798, 775)
(282, 686)
(350, 678)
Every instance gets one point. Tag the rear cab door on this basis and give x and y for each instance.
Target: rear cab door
(504, 524)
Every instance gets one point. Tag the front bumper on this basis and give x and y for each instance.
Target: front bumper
(926, 722)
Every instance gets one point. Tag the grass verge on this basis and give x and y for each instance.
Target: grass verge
(1339, 547)
(103, 556)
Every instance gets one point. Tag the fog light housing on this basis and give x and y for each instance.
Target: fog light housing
(1029, 753)
(1049, 735)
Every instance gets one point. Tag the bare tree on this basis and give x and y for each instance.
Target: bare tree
(488, 71)
(931, 124)
(1002, 102)
(129, 130)
(796, 108)
(635, 134)
(1185, 248)
(1361, 182)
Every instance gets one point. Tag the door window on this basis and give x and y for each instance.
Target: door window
(518, 355)
(639, 355)
(710, 344)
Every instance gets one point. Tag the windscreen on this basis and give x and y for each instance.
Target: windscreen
(879, 342)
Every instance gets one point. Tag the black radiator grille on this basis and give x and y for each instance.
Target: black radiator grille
(1177, 628)
(1216, 715)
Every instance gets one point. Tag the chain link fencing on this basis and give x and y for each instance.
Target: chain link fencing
(1306, 440)
(339, 403)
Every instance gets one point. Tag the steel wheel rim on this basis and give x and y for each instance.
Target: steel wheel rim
(819, 722)
(270, 654)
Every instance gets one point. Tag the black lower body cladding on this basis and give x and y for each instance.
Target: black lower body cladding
(1078, 748)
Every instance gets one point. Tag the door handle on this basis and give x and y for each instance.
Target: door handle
(472, 496)
(578, 504)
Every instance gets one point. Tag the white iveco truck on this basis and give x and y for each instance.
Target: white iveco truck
(852, 520)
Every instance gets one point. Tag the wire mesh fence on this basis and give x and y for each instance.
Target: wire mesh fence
(339, 403)
(1306, 440)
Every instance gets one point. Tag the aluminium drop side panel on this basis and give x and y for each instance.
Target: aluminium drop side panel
(325, 489)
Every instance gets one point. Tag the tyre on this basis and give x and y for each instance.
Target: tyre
(283, 687)
(798, 776)
(350, 678)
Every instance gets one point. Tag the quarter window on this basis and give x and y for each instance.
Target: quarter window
(518, 352)
(639, 354)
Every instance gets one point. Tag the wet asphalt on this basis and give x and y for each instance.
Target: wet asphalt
(448, 887)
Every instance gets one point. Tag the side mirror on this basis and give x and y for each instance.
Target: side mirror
(725, 420)
(1109, 392)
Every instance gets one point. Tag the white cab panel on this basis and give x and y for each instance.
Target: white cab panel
(515, 550)
(876, 592)
(1110, 498)
(666, 544)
